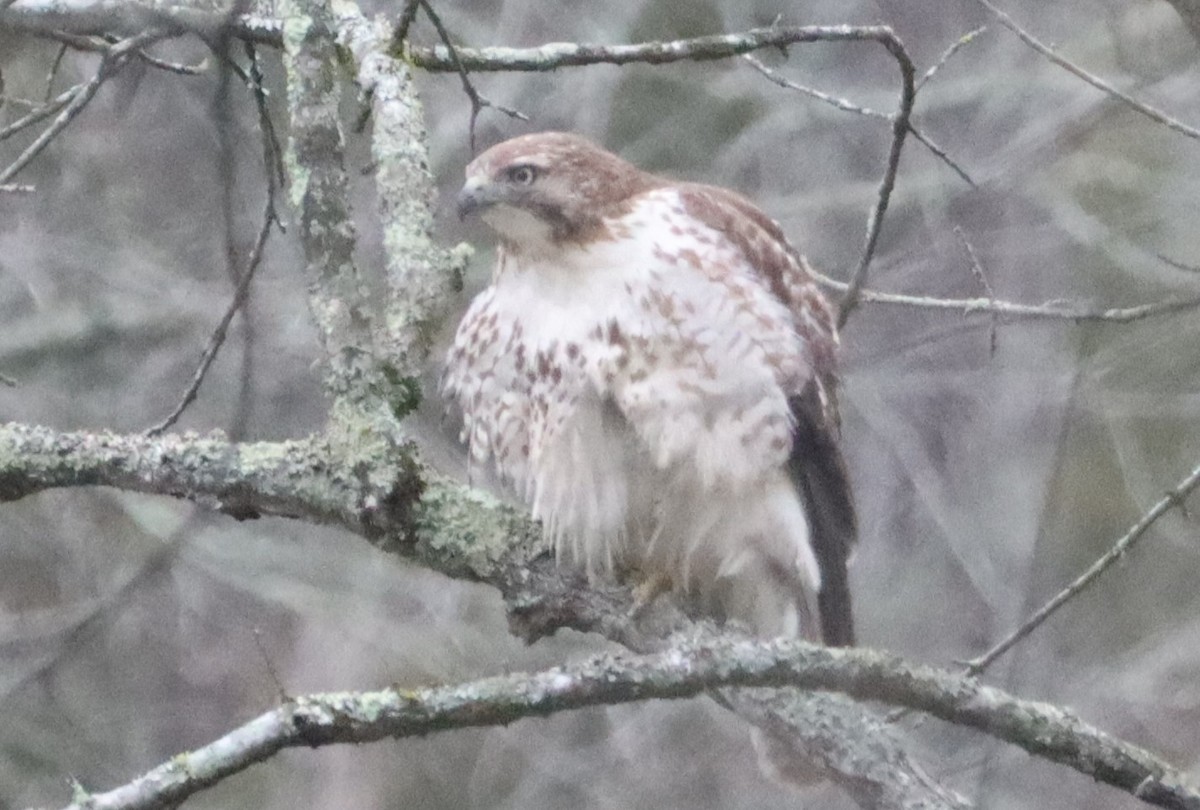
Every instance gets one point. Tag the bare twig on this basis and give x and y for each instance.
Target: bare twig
(555, 55)
(1048, 52)
(269, 665)
(217, 339)
(849, 106)
(53, 73)
(691, 666)
(112, 60)
(101, 44)
(407, 15)
(1051, 310)
(16, 188)
(478, 102)
(981, 277)
(273, 166)
(272, 151)
(178, 68)
(40, 112)
(900, 128)
(954, 48)
(1178, 265)
(1173, 499)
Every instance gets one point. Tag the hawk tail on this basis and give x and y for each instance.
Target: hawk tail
(819, 474)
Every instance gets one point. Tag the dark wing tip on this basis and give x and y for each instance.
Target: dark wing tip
(819, 474)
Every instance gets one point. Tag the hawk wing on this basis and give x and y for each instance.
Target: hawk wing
(728, 369)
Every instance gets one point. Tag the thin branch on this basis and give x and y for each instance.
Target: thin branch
(53, 73)
(407, 15)
(981, 277)
(900, 128)
(41, 112)
(849, 106)
(1178, 265)
(690, 667)
(555, 55)
(1145, 109)
(1051, 310)
(242, 288)
(845, 105)
(954, 48)
(478, 102)
(217, 339)
(1173, 499)
(112, 60)
(272, 152)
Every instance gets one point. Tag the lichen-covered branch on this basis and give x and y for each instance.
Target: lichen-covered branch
(421, 275)
(394, 501)
(319, 188)
(693, 665)
(299, 479)
(554, 55)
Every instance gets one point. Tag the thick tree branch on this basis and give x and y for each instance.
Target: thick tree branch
(691, 666)
(421, 275)
(392, 500)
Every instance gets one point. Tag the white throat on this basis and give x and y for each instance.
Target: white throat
(519, 227)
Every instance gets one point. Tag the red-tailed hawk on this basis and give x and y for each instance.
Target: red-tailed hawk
(652, 368)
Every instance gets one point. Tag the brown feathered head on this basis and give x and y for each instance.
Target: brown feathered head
(549, 187)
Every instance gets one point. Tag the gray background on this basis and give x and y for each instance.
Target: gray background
(986, 482)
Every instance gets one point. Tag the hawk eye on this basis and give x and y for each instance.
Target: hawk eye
(522, 175)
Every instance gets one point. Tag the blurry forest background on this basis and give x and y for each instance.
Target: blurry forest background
(986, 479)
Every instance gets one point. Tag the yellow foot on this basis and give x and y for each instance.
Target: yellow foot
(649, 589)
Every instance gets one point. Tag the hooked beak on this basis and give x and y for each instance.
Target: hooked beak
(472, 197)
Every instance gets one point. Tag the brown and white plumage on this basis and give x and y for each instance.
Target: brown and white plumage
(652, 370)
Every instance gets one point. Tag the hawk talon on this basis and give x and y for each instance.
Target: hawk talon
(648, 590)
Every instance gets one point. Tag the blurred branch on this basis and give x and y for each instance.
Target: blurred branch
(1174, 499)
(1189, 10)
(240, 293)
(1145, 109)
(848, 106)
(694, 664)
(981, 277)
(40, 113)
(554, 55)
(1051, 310)
(954, 48)
(113, 59)
(478, 101)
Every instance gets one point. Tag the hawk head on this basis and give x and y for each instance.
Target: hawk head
(548, 188)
